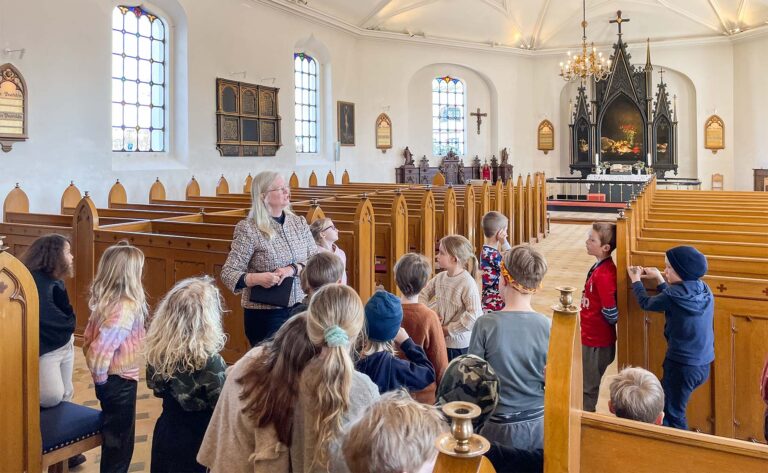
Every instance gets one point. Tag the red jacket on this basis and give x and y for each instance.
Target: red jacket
(598, 306)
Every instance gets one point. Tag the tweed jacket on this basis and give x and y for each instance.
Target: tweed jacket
(253, 252)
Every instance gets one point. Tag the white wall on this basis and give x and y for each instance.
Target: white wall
(67, 67)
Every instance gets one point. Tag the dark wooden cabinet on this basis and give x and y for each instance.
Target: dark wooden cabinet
(761, 179)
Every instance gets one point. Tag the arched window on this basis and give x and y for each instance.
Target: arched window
(305, 71)
(139, 68)
(447, 115)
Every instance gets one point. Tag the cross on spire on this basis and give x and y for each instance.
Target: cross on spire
(619, 20)
(661, 74)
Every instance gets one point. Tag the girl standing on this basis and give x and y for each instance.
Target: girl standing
(113, 338)
(326, 235)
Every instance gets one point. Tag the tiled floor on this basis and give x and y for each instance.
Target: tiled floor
(568, 265)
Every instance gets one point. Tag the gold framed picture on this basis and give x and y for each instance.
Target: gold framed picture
(714, 134)
(13, 107)
(345, 116)
(383, 133)
(546, 136)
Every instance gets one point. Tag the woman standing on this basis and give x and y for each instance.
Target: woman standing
(271, 244)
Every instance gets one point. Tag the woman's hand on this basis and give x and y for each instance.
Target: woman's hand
(266, 280)
(283, 273)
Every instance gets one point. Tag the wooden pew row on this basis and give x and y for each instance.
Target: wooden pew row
(577, 441)
(727, 405)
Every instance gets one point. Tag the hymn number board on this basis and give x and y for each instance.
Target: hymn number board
(247, 119)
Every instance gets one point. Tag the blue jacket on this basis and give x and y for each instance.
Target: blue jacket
(390, 373)
(689, 311)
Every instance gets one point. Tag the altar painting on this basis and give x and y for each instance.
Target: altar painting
(622, 132)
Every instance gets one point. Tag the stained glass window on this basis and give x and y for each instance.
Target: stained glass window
(305, 73)
(447, 116)
(138, 80)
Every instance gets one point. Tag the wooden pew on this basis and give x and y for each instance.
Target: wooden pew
(577, 441)
(727, 404)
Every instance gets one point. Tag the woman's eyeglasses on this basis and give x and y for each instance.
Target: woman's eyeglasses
(328, 227)
(284, 189)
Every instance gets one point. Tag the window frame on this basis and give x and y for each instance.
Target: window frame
(438, 147)
(300, 118)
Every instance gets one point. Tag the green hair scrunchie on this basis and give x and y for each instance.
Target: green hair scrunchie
(335, 336)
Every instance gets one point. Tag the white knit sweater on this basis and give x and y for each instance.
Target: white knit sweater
(456, 300)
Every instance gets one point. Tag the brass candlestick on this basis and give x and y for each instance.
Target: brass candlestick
(565, 304)
(461, 441)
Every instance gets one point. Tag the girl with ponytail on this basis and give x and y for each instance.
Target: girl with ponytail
(331, 393)
(453, 294)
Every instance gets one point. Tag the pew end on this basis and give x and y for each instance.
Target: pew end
(70, 198)
(117, 195)
(157, 191)
(16, 201)
(222, 187)
(193, 189)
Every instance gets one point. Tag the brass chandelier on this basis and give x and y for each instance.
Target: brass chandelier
(589, 63)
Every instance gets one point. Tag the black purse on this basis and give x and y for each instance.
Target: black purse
(278, 295)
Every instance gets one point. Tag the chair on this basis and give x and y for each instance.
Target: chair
(765, 184)
(32, 438)
(717, 182)
(439, 179)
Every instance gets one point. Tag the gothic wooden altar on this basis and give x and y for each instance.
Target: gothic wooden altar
(453, 168)
(622, 123)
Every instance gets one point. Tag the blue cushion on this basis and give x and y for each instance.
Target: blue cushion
(66, 424)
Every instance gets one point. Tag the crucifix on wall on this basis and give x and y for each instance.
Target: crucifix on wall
(479, 117)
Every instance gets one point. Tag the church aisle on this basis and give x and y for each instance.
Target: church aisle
(568, 265)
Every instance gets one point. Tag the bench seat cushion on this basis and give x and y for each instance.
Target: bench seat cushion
(66, 424)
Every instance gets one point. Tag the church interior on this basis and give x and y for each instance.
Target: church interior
(395, 124)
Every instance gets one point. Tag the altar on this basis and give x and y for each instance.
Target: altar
(616, 188)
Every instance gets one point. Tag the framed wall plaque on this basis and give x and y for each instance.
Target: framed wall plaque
(345, 115)
(546, 136)
(13, 107)
(383, 133)
(714, 134)
(247, 119)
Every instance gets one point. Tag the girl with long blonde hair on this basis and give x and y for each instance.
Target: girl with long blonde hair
(112, 340)
(326, 235)
(184, 368)
(454, 294)
(331, 392)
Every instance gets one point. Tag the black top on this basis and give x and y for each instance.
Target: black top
(390, 373)
(514, 460)
(57, 318)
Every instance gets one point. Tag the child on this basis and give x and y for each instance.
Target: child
(453, 293)
(515, 342)
(636, 394)
(49, 259)
(251, 427)
(184, 368)
(495, 226)
(112, 340)
(422, 324)
(321, 269)
(397, 434)
(598, 311)
(326, 235)
(331, 392)
(688, 307)
(383, 315)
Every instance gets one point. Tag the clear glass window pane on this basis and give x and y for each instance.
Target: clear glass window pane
(145, 94)
(117, 66)
(305, 99)
(117, 139)
(158, 51)
(130, 115)
(158, 117)
(130, 66)
(131, 25)
(117, 90)
(158, 95)
(158, 140)
(131, 44)
(117, 24)
(145, 29)
(144, 140)
(129, 94)
(158, 73)
(117, 115)
(145, 48)
(117, 42)
(144, 70)
(158, 31)
(144, 117)
(130, 139)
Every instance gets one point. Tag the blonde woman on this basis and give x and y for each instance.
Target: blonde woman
(331, 393)
(184, 368)
(271, 244)
(326, 235)
(112, 340)
(453, 294)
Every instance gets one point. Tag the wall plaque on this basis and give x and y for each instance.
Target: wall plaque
(714, 133)
(248, 123)
(13, 107)
(383, 133)
(546, 136)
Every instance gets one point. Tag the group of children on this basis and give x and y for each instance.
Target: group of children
(289, 404)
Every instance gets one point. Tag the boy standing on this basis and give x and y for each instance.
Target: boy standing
(515, 343)
(688, 306)
(412, 272)
(598, 311)
(495, 229)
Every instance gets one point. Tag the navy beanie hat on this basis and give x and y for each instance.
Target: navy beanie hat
(688, 262)
(383, 315)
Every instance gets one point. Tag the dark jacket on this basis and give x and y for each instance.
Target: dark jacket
(514, 460)
(689, 311)
(390, 373)
(57, 318)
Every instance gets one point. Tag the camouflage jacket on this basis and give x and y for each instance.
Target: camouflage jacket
(196, 391)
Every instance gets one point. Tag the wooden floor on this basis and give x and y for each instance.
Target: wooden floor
(568, 265)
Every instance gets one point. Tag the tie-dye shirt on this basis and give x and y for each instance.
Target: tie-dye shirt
(111, 345)
(490, 265)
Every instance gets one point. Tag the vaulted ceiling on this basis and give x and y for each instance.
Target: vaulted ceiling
(545, 24)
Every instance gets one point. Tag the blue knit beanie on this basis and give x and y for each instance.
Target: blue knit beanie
(688, 262)
(383, 315)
